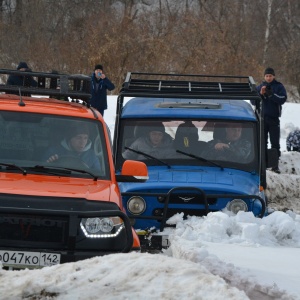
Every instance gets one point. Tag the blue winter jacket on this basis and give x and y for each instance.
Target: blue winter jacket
(99, 95)
(272, 104)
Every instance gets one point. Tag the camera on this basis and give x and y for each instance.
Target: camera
(99, 74)
(268, 89)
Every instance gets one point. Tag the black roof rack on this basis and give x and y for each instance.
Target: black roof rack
(189, 86)
(50, 84)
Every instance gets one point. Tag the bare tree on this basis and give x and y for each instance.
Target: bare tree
(192, 36)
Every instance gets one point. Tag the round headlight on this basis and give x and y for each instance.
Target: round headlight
(136, 205)
(237, 205)
(106, 225)
(92, 225)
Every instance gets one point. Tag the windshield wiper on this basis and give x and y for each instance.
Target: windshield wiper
(50, 170)
(200, 158)
(149, 156)
(47, 170)
(13, 166)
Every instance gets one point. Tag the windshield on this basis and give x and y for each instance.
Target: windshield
(180, 142)
(30, 141)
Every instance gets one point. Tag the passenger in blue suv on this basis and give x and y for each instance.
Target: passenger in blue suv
(229, 144)
(155, 142)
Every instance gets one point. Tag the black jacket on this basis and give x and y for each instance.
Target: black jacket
(21, 80)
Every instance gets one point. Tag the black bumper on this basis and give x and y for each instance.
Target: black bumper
(52, 225)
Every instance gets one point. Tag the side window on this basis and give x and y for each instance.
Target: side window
(99, 147)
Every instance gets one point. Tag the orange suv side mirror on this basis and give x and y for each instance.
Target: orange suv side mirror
(133, 171)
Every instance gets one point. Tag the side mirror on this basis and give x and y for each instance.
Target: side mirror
(272, 158)
(133, 171)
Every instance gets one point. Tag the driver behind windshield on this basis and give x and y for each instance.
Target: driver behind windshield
(230, 146)
(76, 145)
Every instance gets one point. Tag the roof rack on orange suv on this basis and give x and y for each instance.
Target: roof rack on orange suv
(49, 84)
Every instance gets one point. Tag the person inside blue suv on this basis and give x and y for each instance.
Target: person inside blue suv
(228, 144)
(155, 143)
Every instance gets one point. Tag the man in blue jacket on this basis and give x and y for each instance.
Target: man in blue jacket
(273, 96)
(99, 86)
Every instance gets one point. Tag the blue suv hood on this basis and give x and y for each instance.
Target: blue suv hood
(208, 179)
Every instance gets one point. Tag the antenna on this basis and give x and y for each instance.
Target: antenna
(21, 102)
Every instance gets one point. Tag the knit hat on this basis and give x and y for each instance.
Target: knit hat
(99, 67)
(78, 129)
(158, 127)
(22, 65)
(269, 71)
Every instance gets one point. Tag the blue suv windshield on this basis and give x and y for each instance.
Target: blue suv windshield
(181, 142)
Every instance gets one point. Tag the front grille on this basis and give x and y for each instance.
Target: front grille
(187, 212)
(33, 228)
(37, 222)
(185, 198)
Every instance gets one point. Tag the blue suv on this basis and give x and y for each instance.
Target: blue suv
(208, 155)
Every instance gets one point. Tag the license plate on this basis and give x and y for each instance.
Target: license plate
(28, 259)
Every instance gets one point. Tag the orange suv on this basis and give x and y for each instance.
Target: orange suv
(59, 197)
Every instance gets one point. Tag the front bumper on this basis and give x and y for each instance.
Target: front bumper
(30, 228)
(169, 206)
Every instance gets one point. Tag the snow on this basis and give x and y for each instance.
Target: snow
(220, 256)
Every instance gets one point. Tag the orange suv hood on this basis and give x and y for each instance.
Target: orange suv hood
(55, 186)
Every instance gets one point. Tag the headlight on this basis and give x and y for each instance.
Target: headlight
(237, 205)
(101, 227)
(136, 205)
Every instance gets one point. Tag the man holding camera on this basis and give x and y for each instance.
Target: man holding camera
(99, 86)
(273, 96)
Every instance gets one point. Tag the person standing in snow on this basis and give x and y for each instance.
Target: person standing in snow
(99, 86)
(273, 95)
